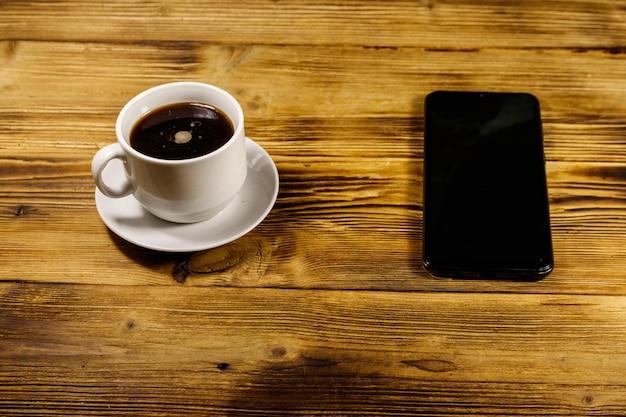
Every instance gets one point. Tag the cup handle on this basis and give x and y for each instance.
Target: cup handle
(100, 160)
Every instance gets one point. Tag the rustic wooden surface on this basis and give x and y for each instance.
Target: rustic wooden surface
(324, 309)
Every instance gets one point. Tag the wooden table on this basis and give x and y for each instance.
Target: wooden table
(323, 309)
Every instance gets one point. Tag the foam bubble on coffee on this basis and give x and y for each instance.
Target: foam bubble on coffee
(182, 136)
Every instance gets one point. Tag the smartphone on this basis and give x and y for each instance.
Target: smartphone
(486, 212)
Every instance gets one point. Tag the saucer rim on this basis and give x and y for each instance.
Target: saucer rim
(251, 146)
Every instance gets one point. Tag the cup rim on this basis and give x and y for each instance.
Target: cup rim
(124, 142)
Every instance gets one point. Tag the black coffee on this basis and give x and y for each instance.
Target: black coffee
(181, 131)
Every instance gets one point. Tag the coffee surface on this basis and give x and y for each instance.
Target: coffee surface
(181, 131)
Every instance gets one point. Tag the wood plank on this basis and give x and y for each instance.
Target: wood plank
(44, 174)
(425, 23)
(359, 227)
(157, 350)
(275, 81)
(291, 93)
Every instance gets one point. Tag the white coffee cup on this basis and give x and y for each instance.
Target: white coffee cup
(185, 190)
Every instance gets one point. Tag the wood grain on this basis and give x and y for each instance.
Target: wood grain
(278, 352)
(350, 165)
(324, 309)
(430, 23)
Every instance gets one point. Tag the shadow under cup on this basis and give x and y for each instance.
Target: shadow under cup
(184, 190)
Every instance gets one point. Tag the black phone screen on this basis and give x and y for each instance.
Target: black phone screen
(486, 209)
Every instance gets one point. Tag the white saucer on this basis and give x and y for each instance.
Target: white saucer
(130, 221)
